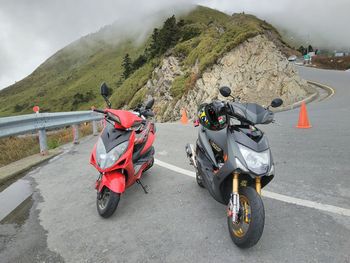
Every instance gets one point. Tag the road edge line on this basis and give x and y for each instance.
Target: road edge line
(330, 90)
(283, 198)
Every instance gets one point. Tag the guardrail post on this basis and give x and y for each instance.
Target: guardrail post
(43, 142)
(75, 133)
(94, 128)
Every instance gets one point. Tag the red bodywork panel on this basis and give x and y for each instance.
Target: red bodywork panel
(149, 142)
(127, 119)
(115, 181)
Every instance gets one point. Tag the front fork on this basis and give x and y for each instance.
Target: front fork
(98, 181)
(234, 200)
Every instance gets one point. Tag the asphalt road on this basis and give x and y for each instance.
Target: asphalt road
(180, 222)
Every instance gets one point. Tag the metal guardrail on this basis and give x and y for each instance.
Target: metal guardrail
(16, 125)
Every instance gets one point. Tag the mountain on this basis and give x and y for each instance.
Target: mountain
(188, 48)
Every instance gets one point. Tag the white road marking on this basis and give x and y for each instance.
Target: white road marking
(13, 196)
(175, 168)
(272, 195)
(163, 153)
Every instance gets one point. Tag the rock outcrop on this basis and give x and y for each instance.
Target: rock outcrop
(256, 71)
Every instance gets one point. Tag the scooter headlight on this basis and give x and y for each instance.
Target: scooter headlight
(106, 160)
(257, 162)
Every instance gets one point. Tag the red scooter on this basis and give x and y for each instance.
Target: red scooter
(122, 153)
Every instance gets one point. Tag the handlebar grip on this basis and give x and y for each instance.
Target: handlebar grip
(147, 113)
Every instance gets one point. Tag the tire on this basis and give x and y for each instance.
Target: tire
(253, 233)
(107, 202)
(199, 180)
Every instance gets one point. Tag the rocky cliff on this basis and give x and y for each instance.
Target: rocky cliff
(256, 71)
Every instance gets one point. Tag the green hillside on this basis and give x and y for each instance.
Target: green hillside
(69, 80)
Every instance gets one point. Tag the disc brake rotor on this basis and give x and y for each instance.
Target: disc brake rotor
(242, 227)
(103, 200)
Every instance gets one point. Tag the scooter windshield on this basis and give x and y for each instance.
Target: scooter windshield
(253, 112)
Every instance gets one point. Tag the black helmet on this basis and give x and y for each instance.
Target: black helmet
(213, 115)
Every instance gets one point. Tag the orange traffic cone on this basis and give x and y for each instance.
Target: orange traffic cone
(184, 119)
(303, 122)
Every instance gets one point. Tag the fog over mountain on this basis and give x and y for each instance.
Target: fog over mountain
(321, 22)
(31, 31)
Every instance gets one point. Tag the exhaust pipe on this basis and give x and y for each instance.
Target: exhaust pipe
(191, 154)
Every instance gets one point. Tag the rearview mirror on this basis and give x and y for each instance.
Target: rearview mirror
(276, 103)
(149, 104)
(225, 91)
(104, 90)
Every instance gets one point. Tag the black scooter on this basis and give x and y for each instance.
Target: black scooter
(234, 163)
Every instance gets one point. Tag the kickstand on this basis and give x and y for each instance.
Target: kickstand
(144, 187)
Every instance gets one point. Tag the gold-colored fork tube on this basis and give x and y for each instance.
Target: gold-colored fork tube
(258, 185)
(235, 183)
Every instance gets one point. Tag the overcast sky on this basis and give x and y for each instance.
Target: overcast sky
(33, 30)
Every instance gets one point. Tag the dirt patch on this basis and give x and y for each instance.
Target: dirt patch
(337, 63)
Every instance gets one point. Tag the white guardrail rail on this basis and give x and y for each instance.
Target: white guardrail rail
(17, 125)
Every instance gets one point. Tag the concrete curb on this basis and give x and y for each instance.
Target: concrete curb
(329, 89)
(24, 165)
(310, 98)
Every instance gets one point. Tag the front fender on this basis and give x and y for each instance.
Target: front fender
(115, 181)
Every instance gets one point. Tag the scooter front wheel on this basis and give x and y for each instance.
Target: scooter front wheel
(107, 202)
(251, 219)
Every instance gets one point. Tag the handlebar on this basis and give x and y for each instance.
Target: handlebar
(148, 113)
(230, 112)
(99, 111)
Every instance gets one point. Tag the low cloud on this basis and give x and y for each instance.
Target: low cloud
(322, 23)
(31, 31)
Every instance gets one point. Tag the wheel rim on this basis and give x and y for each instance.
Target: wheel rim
(244, 218)
(104, 198)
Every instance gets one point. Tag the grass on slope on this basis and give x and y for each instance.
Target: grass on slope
(69, 80)
(16, 148)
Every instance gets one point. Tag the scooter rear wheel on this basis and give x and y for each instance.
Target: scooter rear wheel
(107, 202)
(247, 232)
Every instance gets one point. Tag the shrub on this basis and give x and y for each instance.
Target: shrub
(178, 87)
(182, 84)
(138, 98)
(133, 84)
(189, 32)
